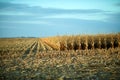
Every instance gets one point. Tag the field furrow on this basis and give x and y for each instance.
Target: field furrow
(28, 50)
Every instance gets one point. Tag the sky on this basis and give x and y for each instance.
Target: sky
(43, 18)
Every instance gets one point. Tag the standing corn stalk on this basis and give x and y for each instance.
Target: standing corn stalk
(90, 42)
(84, 44)
(103, 42)
(109, 41)
(97, 42)
(76, 43)
(116, 41)
(70, 41)
(63, 43)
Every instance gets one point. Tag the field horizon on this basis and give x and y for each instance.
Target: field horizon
(73, 57)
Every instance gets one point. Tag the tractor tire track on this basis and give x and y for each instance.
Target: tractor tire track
(42, 47)
(28, 51)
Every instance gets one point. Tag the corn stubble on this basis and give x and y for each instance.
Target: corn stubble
(80, 57)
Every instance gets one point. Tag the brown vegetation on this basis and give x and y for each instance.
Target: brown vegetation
(82, 42)
(78, 57)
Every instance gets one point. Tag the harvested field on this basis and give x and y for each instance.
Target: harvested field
(61, 58)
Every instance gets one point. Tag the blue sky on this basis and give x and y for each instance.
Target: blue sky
(42, 18)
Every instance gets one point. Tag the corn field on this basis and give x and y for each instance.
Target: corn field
(76, 57)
